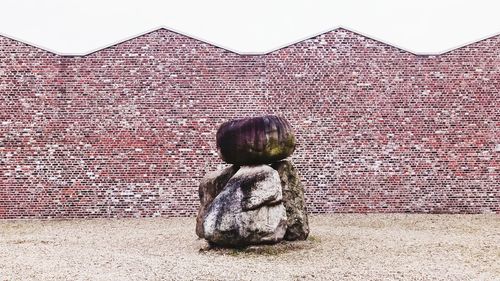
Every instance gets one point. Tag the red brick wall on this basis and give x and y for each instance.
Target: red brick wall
(130, 130)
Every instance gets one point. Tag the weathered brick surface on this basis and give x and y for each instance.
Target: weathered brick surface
(130, 130)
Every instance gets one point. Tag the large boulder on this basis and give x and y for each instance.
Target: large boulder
(249, 210)
(259, 140)
(293, 199)
(210, 186)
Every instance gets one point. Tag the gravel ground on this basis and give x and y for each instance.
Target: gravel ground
(341, 247)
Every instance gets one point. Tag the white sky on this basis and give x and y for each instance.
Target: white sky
(258, 26)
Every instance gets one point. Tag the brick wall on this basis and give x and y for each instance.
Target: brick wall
(129, 130)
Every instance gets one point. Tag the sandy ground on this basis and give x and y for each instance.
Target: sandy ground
(341, 247)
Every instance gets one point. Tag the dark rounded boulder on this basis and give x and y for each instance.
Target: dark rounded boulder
(257, 140)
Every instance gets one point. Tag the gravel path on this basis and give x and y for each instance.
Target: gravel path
(342, 247)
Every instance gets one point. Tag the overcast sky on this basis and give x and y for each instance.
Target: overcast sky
(258, 26)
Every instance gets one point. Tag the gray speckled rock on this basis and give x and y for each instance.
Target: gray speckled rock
(293, 199)
(248, 211)
(210, 186)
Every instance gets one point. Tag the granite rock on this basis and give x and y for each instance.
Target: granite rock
(249, 210)
(210, 186)
(293, 200)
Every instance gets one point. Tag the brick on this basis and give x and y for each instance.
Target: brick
(129, 131)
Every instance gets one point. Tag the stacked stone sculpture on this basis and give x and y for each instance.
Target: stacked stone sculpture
(259, 199)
